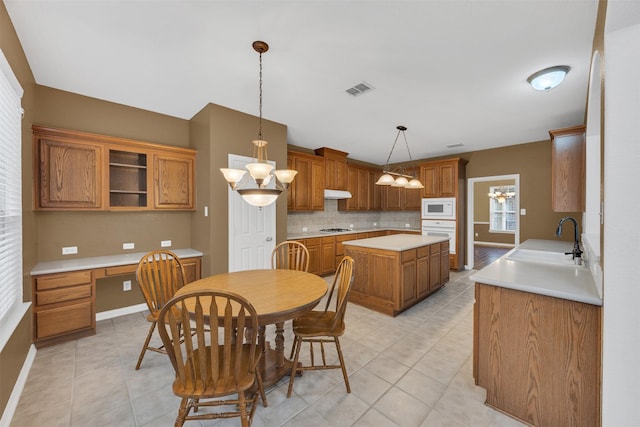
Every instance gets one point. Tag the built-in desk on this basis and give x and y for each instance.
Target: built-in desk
(64, 292)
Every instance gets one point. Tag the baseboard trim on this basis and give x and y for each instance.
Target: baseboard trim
(110, 314)
(494, 245)
(18, 387)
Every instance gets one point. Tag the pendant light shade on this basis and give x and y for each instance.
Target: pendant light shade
(260, 171)
(385, 179)
(399, 177)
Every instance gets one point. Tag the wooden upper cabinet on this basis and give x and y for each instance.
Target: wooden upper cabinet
(352, 186)
(174, 177)
(568, 169)
(307, 189)
(442, 178)
(83, 171)
(68, 174)
(335, 163)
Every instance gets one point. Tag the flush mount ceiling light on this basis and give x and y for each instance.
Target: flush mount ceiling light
(399, 177)
(260, 170)
(549, 77)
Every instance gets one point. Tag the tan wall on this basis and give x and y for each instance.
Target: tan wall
(14, 353)
(533, 162)
(216, 132)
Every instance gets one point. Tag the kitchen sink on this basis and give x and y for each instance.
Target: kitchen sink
(541, 257)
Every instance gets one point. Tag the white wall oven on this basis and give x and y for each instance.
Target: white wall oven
(439, 208)
(441, 228)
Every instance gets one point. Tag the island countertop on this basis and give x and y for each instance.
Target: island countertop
(574, 283)
(396, 242)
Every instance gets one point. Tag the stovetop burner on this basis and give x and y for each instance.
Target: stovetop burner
(334, 230)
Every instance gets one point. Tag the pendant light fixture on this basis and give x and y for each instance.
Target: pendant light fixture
(399, 177)
(260, 171)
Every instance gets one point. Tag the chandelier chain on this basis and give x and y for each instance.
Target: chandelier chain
(260, 100)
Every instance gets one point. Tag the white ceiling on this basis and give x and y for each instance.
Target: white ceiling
(452, 71)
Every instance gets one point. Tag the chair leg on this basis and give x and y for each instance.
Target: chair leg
(242, 407)
(297, 343)
(261, 389)
(182, 412)
(146, 344)
(342, 365)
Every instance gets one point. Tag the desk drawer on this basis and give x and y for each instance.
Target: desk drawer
(120, 270)
(63, 294)
(64, 320)
(54, 281)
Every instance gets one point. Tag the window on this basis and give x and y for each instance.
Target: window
(10, 191)
(502, 213)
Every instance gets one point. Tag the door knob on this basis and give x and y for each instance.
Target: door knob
(269, 239)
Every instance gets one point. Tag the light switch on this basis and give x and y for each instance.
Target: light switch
(523, 211)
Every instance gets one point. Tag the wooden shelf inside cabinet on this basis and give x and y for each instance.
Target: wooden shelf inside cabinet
(127, 179)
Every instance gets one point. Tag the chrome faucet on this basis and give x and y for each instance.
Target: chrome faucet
(577, 252)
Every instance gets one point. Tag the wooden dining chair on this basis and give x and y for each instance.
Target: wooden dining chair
(324, 326)
(160, 274)
(214, 366)
(290, 255)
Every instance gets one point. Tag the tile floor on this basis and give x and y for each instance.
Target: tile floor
(411, 370)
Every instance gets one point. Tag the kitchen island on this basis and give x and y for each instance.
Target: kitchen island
(537, 336)
(392, 273)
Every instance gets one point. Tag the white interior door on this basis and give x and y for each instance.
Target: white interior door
(252, 230)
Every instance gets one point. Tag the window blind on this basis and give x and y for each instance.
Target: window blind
(10, 190)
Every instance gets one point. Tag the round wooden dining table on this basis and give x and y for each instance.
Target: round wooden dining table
(277, 296)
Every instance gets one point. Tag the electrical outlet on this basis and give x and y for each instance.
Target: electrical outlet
(407, 225)
(476, 234)
(375, 224)
(523, 211)
(128, 245)
(165, 243)
(69, 250)
(350, 225)
(126, 285)
(305, 229)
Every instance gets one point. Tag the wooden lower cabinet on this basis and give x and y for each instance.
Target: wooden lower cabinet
(392, 281)
(538, 357)
(322, 254)
(64, 304)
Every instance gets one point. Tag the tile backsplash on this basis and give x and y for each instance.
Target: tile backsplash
(332, 217)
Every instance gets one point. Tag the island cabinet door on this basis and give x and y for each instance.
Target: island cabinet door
(408, 285)
(434, 268)
(422, 272)
(376, 277)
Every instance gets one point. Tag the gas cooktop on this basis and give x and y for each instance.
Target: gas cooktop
(334, 230)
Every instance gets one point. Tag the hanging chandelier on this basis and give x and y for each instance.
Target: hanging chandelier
(399, 177)
(260, 171)
(501, 195)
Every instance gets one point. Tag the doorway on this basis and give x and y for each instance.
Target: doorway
(252, 229)
(483, 225)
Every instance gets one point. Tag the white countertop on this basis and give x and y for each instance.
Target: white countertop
(396, 242)
(76, 264)
(317, 233)
(573, 283)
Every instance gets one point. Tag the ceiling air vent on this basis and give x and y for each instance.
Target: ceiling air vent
(359, 89)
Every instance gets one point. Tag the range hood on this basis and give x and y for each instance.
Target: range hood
(336, 194)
